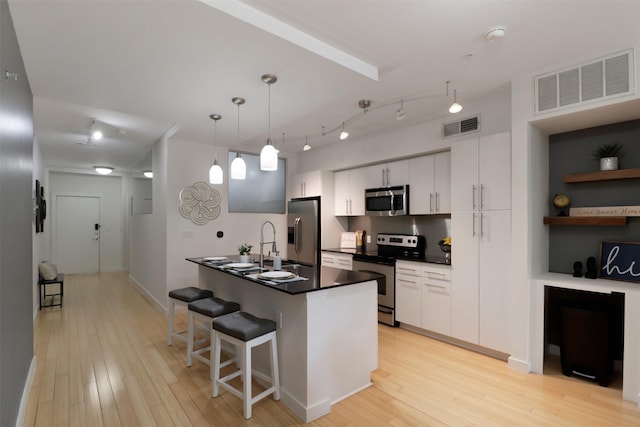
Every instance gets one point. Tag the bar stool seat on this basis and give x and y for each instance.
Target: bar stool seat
(183, 296)
(245, 331)
(205, 310)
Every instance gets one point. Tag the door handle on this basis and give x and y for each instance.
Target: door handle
(296, 234)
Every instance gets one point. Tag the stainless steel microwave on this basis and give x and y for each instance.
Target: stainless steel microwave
(387, 201)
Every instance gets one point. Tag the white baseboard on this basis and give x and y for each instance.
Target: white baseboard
(518, 364)
(149, 297)
(305, 413)
(24, 401)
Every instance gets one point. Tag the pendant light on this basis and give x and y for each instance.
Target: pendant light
(238, 166)
(455, 107)
(216, 176)
(268, 154)
(344, 134)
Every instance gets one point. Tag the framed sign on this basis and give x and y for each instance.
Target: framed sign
(620, 261)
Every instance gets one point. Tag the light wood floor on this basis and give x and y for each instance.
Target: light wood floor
(103, 360)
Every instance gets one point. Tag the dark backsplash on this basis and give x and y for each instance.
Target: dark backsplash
(433, 227)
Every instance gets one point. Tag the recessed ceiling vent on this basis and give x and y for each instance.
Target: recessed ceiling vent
(471, 124)
(595, 80)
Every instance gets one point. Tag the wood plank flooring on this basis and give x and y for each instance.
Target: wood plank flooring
(102, 360)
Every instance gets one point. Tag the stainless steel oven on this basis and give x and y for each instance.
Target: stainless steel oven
(386, 284)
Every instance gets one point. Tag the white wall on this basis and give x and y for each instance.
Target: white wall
(189, 163)
(109, 189)
(40, 246)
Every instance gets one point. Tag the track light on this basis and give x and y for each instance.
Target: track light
(400, 114)
(455, 107)
(268, 154)
(94, 134)
(238, 166)
(148, 174)
(344, 134)
(306, 147)
(216, 176)
(103, 170)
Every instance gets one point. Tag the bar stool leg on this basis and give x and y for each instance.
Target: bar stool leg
(190, 337)
(170, 335)
(275, 374)
(245, 352)
(215, 366)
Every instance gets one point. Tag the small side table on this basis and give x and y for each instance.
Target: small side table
(42, 286)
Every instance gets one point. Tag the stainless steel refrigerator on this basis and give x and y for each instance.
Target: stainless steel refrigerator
(303, 230)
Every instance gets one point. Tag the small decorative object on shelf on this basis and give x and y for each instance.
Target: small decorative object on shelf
(445, 246)
(244, 250)
(561, 202)
(608, 155)
(577, 269)
(592, 272)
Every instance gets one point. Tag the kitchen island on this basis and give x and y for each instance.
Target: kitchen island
(327, 328)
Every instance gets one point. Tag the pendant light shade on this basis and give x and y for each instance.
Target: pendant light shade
(216, 176)
(306, 147)
(344, 134)
(238, 165)
(268, 154)
(238, 168)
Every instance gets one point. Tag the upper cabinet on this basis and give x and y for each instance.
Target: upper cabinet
(481, 173)
(349, 192)
(306, 184)
(430, 184)
(387, 174)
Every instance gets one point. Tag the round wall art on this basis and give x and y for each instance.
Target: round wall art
(200, 203)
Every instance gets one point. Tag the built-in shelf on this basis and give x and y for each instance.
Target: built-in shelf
(585, 220)
(602, 175)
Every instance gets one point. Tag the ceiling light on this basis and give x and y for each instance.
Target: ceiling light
(455, 107)
(148, 174)
(216, 176)
(306, 147)
(344, 134)
(495, 33)
(94, 134)
(400, 114)
(103, 170)
(268, 154)
(238, 166)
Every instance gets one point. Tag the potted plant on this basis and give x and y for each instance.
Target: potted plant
(244, 250)
(445, 246)
(608, 155)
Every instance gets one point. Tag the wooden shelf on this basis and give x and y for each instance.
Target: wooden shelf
(585, 220)
(602, 175)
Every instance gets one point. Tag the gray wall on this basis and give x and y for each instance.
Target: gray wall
(16, 228)
(571, 152)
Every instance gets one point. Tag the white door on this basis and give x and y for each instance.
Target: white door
(77, 243)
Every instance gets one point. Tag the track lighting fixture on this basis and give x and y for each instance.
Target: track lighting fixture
(344, 134)
(95, 134)
(400, 114)
(103, 170)
(216, 176)
(455, 107)
(238, 166)
(268, 154)
(306, 147)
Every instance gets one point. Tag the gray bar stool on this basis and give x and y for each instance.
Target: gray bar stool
(245, 331)
(205, 310)
(183, 296)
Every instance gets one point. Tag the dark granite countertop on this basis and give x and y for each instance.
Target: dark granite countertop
(318, 278)
(432, 259)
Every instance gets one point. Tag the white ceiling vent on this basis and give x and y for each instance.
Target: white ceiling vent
(470, 124)
(594, 80)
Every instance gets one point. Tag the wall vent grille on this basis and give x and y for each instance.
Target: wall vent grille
(595, 80)
(470, 124)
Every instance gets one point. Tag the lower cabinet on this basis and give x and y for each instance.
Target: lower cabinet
(337, 260)
(423, 296)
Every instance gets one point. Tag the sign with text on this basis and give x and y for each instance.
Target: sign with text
(620, 261)
(605, 211)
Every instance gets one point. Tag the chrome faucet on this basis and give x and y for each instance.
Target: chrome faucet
(262, 242)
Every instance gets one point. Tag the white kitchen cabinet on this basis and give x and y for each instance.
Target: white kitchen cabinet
(481, 236)
(430, 184)
(337, 260)
(436, 299)
(387, 174)
(306, 184)
(481, 173)
(408, 308)
(349, 192)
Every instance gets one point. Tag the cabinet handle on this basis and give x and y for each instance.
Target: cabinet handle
(383, 177)
(481, 196)
(437, 202)
(408, 270)
(431, 273)
(473, 232)
(481, 229)
(350, 207)
(473, 195)
(430, 202)
(444, 288)
(408, 281)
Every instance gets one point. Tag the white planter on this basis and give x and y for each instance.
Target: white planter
(608, 163)
(245, 258)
